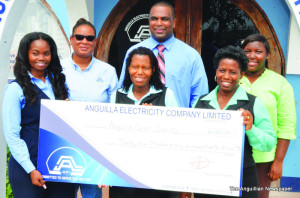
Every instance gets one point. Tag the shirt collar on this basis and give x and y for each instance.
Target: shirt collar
(264, 73)
(130, 95)
(247, 81)
(76, 67)
(32, 77)
(239, 94)
(168, 43)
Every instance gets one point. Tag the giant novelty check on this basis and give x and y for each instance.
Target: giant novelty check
(177, 149)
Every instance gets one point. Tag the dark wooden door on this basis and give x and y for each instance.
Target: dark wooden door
(189, 26)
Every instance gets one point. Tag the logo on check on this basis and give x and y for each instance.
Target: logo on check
(66, 161)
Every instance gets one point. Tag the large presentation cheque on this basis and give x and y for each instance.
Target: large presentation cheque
(177, 149)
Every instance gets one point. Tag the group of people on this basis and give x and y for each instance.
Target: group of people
(160, 71)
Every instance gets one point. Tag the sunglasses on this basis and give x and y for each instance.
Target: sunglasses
(80, 37)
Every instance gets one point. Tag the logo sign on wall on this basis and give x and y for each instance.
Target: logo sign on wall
(136, 29)
(133, 28)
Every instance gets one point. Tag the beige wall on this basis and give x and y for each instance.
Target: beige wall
(80, 9)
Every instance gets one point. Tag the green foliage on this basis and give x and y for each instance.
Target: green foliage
(224, 15)
(9, 193)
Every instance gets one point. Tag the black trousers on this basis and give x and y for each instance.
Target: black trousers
(23, 188)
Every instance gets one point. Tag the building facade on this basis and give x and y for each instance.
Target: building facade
(122, 23)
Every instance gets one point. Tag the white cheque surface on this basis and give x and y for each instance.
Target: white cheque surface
(191, 150)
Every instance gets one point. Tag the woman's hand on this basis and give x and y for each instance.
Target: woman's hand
(248, 119)
(37, 179)
(147, 104)
(276, 167)
(185, 195)
(275, 170)
(102, 186)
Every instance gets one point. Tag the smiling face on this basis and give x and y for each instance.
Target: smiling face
(257, 55)
(161, 23)
(228, 75)
(140, 71)
(39, 56)
(83, 48)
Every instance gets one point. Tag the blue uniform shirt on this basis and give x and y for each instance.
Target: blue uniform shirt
(95, 84)
(184, 73)
(13, 103)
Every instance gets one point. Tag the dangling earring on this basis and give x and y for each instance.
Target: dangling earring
(216, 78)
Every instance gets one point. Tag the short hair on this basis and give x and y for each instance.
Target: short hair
(256, 37)
(54, 70)
(234, 53)
(166, 4)
(155, 78)
(81, 22)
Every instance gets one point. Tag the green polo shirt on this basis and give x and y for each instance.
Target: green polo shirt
(278, 96)
(261, 136)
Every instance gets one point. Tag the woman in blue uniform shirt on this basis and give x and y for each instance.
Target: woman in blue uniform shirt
(88, 78)
(38, 76)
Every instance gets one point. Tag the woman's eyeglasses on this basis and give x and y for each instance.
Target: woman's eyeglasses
(80, 37)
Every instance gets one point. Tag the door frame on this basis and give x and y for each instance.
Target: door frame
(189, 28)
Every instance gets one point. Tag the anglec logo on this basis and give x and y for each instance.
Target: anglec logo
(66, 161)
(137, 28)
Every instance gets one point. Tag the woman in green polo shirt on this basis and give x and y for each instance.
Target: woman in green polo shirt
(278, 96)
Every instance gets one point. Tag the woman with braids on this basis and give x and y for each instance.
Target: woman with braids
(142, 86)
(38, 76)
(88, 78)
(142, 83)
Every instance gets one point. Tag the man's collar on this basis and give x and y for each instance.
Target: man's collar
(168, 43)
